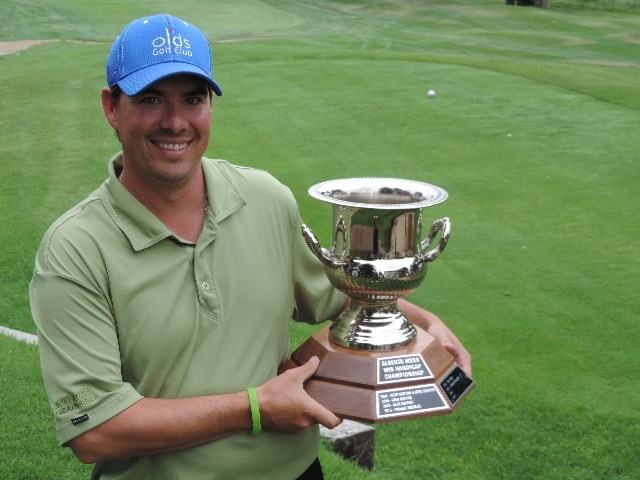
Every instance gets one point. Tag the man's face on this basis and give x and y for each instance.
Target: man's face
(164, 130)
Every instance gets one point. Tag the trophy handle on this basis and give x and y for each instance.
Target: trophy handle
(327, 257)
(444, 225)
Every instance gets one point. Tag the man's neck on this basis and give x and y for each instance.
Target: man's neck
(181, 207)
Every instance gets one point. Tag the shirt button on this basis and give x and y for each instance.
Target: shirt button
(205, 286)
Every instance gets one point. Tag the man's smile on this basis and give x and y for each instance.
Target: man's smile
(171, 146)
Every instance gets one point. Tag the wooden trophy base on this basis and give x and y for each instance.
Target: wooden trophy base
(419, 380)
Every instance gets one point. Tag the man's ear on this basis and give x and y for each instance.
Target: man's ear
(109, 105)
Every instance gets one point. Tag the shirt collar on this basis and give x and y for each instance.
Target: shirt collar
(225, 197)
(141, 227)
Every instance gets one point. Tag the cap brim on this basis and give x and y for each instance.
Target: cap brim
(142, 79)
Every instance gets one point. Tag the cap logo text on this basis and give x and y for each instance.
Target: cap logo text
(171, 43)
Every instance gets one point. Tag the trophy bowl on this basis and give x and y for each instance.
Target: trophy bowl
(378, 254)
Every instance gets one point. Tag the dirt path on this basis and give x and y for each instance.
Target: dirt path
(19, 45)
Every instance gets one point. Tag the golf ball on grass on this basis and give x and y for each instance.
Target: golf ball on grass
(431, 94)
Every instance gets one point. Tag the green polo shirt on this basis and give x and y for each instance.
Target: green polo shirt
(125, 309)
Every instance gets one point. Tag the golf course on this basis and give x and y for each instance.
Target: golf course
(532, 129)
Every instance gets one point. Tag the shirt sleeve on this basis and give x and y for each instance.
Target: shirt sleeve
(316, 298)
(78, 345)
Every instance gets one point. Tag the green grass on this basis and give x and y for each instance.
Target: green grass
(29, 448)
(533, 134)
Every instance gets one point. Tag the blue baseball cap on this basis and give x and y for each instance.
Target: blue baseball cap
(150, 49)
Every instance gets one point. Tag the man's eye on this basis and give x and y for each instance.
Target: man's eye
(149, 100)
(194, 100)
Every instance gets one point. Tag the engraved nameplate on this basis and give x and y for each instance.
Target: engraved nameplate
(409, 401)
(402, 368)
(456, 384)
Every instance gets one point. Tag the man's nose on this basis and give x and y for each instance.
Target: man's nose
(173, 118)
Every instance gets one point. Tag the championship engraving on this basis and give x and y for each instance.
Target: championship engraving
(402, 368)
(410, 401)
(456, 384)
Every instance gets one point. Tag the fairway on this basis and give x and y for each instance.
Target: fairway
(533, 133)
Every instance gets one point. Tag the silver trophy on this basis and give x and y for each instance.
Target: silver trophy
(377, 254)
(375, 365)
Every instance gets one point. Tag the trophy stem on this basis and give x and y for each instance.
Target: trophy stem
(372, 327)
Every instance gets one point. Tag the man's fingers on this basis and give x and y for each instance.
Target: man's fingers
(461, 357)
(320, 414)
(325, 417)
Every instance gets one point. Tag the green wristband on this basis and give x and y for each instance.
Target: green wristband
(255, 410)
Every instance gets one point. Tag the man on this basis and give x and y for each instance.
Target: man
(164, 298)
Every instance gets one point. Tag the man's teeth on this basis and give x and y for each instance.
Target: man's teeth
(172, 146)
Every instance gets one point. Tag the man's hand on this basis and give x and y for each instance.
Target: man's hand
(286, 407)
(436, 328)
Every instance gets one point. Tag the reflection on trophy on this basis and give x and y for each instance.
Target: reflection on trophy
(376, 366)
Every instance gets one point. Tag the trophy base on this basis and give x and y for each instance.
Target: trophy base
(418, 380)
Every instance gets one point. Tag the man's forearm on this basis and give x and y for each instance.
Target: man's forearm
(153, 426)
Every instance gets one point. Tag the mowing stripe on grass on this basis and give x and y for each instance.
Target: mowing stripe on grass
(18, 335)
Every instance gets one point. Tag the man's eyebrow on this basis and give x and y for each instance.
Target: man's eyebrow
(150, 91)
(203, 90)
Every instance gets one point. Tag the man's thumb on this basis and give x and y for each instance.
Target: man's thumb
(309, 368)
